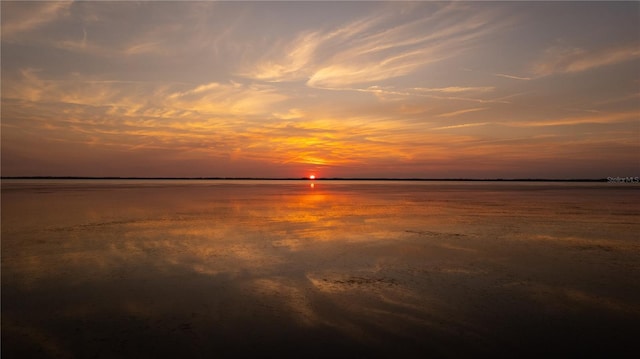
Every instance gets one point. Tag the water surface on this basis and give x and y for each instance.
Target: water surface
(151, 268)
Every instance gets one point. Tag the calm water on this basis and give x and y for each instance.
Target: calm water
(131, 269)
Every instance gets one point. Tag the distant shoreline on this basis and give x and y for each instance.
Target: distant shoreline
(307, 179)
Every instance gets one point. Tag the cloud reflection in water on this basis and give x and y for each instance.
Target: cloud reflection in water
(378, 269)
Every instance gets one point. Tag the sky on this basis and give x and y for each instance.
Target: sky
(337, 89)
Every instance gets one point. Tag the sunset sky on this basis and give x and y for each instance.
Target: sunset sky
(335, 89)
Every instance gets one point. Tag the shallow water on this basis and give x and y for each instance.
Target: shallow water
(124, 268)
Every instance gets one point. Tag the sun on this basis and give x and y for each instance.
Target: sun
(312, 177)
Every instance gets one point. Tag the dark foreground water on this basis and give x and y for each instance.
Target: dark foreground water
(205, 269)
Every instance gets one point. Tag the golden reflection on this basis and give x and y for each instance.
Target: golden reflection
(290, 294)
(356, 258)
(312, 185)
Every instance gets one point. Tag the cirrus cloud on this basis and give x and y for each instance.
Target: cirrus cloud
(566, 59)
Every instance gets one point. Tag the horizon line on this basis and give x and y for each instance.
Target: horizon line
(315, 179)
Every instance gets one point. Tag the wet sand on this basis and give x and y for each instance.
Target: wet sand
(201, 269)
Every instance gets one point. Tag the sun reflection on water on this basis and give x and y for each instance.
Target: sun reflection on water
(360, 260)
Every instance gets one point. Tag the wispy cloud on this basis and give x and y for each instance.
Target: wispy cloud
(602, 118)
(455, 89)
(462, 112)
(464, 125)
(137, 46)
(218, 120)
(145, 98)
(566, 59)
(372, 49)
(143, 48)
(93, 28)
(219, 98)
(633, 96)
(293, 65)
(28, 16)
(444, 93)
(394, 53)
(523, 78)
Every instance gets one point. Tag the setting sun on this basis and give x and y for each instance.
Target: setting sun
(312, 177)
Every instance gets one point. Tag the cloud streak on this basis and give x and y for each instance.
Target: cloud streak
(31, 16)
(582, 120)
(513, 77)
(564, 59)
(373, 49)
(462, 112)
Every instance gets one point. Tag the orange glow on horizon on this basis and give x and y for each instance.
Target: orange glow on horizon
(347, 96)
